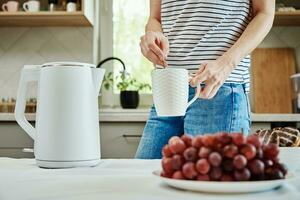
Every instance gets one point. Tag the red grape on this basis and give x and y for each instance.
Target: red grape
(228, 165)
(239, 161)
(254, 140)
(223, 138)
(203, 177)
(176, 145)
(275, 160)
(249, 151)
(190, 154)
(230, 150)
(215, 159)
(215, 173)
(269, 172)
(259, 177)
(208, 140)
(166, 152)
(238, 139)
(277, 174)
(187, 139)
(178, 175)
(177, 162)
(202, 166)
(282, 167)
(227, 177)
(197, 141)
(274, 174)
(256, 166)
(259, 153)
(167, 165)
(189, 170)
(268, 163)
(221, 157)
(271, 151)
(166, 175)
(242, 175)
(204, 152)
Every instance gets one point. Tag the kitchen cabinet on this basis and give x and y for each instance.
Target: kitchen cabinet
(118, 139)
(120, 131)
(12, 141)
(83, 17)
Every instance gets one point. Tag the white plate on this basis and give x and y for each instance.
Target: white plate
(224, 187)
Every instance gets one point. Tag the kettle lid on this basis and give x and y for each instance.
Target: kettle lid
(68, 64)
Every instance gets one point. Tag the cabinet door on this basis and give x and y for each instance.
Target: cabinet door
(120, 140)
(12, 141)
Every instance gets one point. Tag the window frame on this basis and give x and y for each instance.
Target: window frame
(109, 98)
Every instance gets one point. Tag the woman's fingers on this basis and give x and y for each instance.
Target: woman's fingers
(208, 88)
(214, 91)
(149, 54)
(164, 44)
(201, 68)
(159, 53)
(150, 47)
(211, 88)
(200, 75)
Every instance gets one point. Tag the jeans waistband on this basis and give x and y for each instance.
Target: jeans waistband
(234, 86)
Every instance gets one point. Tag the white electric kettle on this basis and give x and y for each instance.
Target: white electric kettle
(66, 132)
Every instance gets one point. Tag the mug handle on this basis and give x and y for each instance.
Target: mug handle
(197, 95)
(4, 7)
(25, 6)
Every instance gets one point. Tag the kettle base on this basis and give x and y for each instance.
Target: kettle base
(66, 164)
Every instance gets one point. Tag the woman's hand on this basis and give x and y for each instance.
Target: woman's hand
(213, 73)
(155, 47)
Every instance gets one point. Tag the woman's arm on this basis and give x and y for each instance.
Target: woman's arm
(154, 45)
(216, 72)
(256, 31)
(154, 21)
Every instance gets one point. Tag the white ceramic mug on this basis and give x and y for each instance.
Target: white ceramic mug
(71, 7)
(10, 6)
(171, 91)
(31, 6)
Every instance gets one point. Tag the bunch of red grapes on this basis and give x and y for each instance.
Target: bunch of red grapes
(221, 157)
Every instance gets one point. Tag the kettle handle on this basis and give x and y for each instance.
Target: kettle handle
(29, 73)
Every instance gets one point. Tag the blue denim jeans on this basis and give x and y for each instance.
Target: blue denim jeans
(228, 111)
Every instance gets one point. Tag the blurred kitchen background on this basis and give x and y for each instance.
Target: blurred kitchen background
(92, 30)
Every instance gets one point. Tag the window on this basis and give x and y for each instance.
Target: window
(129, 19)
(122, 23)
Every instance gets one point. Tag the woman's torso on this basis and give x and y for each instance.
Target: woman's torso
(202, 30)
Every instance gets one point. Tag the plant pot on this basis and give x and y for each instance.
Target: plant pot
(129, 99)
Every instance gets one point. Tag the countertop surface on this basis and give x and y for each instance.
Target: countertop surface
(118, 114)
(111, 179)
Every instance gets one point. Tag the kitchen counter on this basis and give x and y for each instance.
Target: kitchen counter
(141, 115)
(112, 179)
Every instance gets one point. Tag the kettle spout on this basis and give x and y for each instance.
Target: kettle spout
(98, 75)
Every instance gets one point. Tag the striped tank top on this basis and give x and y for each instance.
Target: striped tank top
(202, 30)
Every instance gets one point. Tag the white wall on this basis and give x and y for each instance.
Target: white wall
(19, 46)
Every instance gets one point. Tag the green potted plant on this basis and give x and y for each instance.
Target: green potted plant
(129, 90)
(129, 87)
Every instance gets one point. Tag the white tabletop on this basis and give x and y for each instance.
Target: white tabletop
(112, 179)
